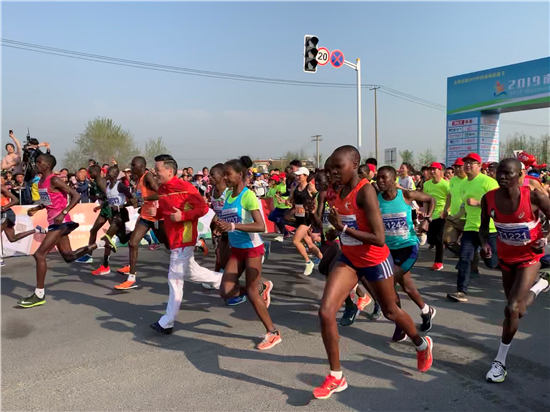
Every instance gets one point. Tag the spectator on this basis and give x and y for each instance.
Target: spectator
(12, 160)
(82, 185)
(259, 185)
(127, 178)
(91, 162)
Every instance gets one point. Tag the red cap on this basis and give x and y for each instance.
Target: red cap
(485, 165)
(527, 159)
(472, 156)
(458, 162)
(282, 175)
(372, 168)
(275, 177)
(436, 165)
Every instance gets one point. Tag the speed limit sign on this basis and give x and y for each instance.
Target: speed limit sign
(323, 56)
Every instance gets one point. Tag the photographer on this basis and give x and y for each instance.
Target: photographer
(31, 151)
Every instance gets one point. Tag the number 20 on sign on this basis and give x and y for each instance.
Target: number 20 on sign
(323, 56)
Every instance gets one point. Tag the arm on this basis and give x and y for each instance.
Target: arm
(59, 184)
(199, 208)
(445, 212)
(18, 148)
(535, 186)
(151, 184)
(257, 227)
(426, 200)
(484, 227)
(13, 199)
(124, 189)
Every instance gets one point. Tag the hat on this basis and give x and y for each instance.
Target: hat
(274, 177)
(485, 165)
(282, 175)
(435, 165)
(527, 159)
(302, 171)
(257, 174)
(372, 168)
(458, 162)
(472, 156)
(127, 170)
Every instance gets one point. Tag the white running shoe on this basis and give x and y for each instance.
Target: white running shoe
(497, 373)
(309, 268)
(279, 238)
(207, 286)
(423, 239)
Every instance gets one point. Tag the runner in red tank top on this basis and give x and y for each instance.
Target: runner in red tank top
(520, 245)
(356, 215)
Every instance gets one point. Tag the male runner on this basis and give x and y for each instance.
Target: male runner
(53, 195)
(453, 212)
(401, 239)
(356, 215)
(515, 211)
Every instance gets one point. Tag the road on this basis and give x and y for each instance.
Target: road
(90, 348)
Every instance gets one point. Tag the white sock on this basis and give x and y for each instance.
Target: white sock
(502, 352)
(539, 286)
(425, 310)
(132, 278)
(39, 293)
(337, 374)
(423, 346)
(100, 244)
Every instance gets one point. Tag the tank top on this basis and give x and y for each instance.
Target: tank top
(301, 197)
(517, 231)
(360, 254)
(398, 223)
(234, 212)
(54, 202)
(4, 200)
(149, 207)
(114, 197)
(218, 202)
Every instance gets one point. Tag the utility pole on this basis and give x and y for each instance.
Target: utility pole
(317, 139)
(375, 88)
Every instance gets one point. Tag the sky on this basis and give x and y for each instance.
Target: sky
(410, 47)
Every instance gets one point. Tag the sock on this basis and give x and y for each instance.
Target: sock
(425, 310)
(106, 261)
(337, 374)
(39, 293)
(423, 346)
(100, 244)
(539, 286)
(132, 278)
(308, 262)
(502, 352)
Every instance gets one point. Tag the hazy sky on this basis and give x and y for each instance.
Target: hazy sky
(411, 47)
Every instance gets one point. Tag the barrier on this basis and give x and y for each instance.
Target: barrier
(84, 215)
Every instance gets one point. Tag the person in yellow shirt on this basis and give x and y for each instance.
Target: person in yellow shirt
(454, 214)
(438, 188)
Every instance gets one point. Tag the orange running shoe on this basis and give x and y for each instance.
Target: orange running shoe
(330, 386)
(203, 247)
(101, 271)
(124, 271)
(270, 339)
(129, 284)
(363, 302)
(424, 358)
(266, 294)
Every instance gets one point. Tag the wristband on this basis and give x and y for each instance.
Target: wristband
(345, 228)
(232, 227)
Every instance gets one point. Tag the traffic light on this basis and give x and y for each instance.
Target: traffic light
(310, 53)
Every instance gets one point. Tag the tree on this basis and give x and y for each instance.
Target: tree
(426, 158)
(153, 148)
(407, 156)
(101, 141)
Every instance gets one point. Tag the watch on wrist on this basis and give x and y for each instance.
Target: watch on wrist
(64, 212)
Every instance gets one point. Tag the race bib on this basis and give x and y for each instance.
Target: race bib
(44, 197)
(351, 222)
(217, 206)
(299, 211)
(139, 198)
(230, 215)
(395, 224)
(517, 235)
(113, 201)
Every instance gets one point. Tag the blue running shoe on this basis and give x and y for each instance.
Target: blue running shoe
(236, 301)
(85, 259)
(316, 261)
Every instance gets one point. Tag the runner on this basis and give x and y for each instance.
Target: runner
(396, 208)
(219, 194)
(453, 212)
(242, 220)
(280, 208)
(356, 215)
(181, 206)
(520, 246)
(438, 188)
(53, 195)
(117, 193)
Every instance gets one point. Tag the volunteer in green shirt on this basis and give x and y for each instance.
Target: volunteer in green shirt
(473, 189)
(454, 213)
(277, 215)
(438, 188)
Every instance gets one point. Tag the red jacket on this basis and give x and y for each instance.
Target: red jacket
(185, 197)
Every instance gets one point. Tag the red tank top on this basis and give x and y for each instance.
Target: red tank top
(360, 254)
(518, 231)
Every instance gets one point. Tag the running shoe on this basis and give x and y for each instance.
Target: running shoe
(101, 271)
(267, 247)
(31, 301)
(129, 284)
(427, 320)
(424, 357)
(330, 386)
(279, 238)
(398, 335)
(2, 263)
(124, 271)
(363, 302)
(316, 261)
(376, 312)
(203, 246)
(41, 230)
(348, 318)
(458, 296)
(437, 266)
(266, 293)
(269, 340)
(236, 301)
(85, 259)
(156, 326)
(207, 286)
(155, 246)
(497, 373)
(545, 276)
(309, 268)
(423, 239)
(111, 242)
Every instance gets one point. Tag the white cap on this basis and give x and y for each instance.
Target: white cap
(302, 171)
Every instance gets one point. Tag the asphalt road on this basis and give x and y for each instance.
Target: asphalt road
(90, 348)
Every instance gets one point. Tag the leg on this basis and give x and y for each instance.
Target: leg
(48, 243)
(492, 262)
(301, 233)
(467, 250)
(98, 224)
(230, 286)
(66, 251)
(175, 283)
(404, 279)
(330, 257)
(312, 247)
(194, 272)
(440, 225)
(161, 234)
(137, 235)
(223, 253)
(253, 273)
(12, 237)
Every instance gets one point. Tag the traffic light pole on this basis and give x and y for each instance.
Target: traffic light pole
(357, 67)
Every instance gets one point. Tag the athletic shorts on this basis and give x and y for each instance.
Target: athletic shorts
(376, 273)
(302, 221)
(70, 225)
(106, 212)
(512, 267)
(243, 254)
(148, 223)
(8, 217)
(405, 257)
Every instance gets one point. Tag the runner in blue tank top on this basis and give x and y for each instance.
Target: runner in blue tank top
(401, 238)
